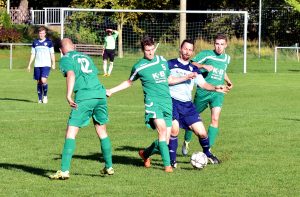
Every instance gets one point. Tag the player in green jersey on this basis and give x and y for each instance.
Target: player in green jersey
(154, 74)
(89, 102)
(213, 64)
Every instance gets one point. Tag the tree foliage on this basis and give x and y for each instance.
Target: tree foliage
(294, 3)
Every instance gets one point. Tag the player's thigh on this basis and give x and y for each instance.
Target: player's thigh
(216, 100)
(105, 55)
(37, 73)
(80, 116)
(100, 114)
(45, 71)
(157, 110)
(112, 55)
(199, 129)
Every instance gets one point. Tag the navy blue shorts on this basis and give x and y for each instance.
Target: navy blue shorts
(185, 113)
(41, 72)
(109, 53)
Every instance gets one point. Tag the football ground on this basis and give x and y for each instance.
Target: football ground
(258, 141)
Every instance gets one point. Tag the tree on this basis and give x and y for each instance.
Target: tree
(294, 3)
(122, 18)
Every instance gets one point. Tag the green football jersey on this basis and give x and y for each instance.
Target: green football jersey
(87, 84)
(154, 77)
(219, 62)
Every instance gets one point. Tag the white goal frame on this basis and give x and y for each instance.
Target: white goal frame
(276, 52)
(245, 13)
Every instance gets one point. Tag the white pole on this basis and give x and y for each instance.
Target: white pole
(182, 21)
(275, 60)
(10, 56)
(259, 28)
(297, 51)
(45, 17)
(8, 6)
(245, 40)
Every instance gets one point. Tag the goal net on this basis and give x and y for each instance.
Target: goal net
(287, 59)
(87, 26)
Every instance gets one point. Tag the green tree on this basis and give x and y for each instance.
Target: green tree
(294, 3)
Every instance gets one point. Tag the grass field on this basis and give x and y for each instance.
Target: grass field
(258, 141)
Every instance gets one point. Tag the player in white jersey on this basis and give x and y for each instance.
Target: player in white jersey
(42, 52)
(184, 112)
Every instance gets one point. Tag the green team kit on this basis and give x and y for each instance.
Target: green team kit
(203, 98)
(154, 77)
(158, 103)
(90, 95)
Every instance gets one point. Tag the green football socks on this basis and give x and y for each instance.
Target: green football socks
(164, 152)
(67, 154)
(212, 135)
(106, 151)
(152, 149)
(188, 135)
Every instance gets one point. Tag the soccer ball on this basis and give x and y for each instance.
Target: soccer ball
(199, 160)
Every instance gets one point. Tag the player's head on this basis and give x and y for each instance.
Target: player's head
(186, 49)
(109, 31)
(42, 33)
(220, 43)
(66, 45)
(147, 44)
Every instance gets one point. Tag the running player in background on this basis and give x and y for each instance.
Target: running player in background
(90, 102)
(184, 112)
(154, 73)
(213, 63)
(43, 52)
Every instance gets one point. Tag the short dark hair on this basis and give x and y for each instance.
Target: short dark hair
(147, 41)
(220, 36)
(42, 28)
(190, 41)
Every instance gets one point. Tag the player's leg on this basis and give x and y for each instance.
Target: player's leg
(100, 119)
(213, 128)
(67, 153)
(200, 131)
(45, 71)
(111, 63)
(39, 88)
(161, 128)
(173, 143)
(105, 56)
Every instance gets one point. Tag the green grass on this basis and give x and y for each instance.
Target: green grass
(258, 141)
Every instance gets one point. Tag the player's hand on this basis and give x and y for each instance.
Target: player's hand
(191, 75)
(222, 89)
(208, 67)
(229, 86)
(108, 93)
(53, 66)
(72, 103)
(28, 69)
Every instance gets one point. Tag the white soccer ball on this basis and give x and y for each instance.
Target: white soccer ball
(199, 160)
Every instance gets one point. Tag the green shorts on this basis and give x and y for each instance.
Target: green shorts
(204, 98)
(158, 110)
(95, 108)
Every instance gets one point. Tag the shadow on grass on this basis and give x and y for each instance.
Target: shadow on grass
(16, 99)
(293, 119)
(29, 169)
(293, 70)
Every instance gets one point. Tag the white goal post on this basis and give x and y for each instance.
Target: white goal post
(295, 48)
(242, 23)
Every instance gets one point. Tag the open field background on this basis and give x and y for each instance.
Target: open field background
(258, 141)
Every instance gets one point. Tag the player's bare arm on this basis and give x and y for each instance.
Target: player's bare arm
(229, 84)
(30, 61)
(121, 86)
(70, 86)
(53, 60)
(206, 67)
(175, 80)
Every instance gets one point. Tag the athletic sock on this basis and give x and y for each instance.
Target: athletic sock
(212, 134)
(39, 88)
(106, 151)
(188, 135)
(173, 144)
(204, 142)
(105, 67)
(164, 152)
(152, 149)
(67, 154)
(111, 66)
(45, 89)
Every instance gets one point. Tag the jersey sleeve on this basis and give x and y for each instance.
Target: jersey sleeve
(134, 75)
(115, 34)
(51, 46)
(66, 64)
(200, 57)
